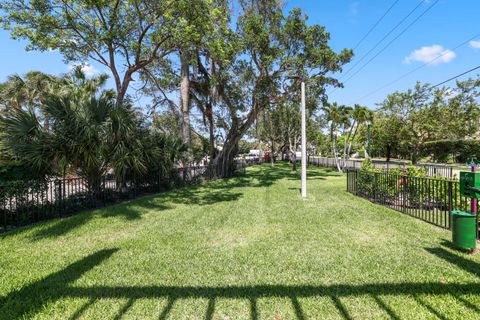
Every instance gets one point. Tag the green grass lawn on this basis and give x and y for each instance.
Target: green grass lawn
(244, 248)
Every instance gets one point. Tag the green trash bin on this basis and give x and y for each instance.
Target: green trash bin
(464, 230)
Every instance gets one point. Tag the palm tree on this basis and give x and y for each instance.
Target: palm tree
(74, 138)
(33, 89)
(359, 115)
(27, 91)
(87, 132)
(76, 82)
(335, 115)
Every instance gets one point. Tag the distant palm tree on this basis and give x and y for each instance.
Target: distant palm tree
(29, 91)
(337, 116)
(359, 115)
(33, 89)
(76, 82)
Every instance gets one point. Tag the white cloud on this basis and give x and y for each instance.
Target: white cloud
(475, 44)
(434, 54)
(87, 68)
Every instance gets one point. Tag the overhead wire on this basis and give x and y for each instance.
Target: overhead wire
(455, 77)
(375, 24)
(381, 40)
(418, 68)
(394, 39)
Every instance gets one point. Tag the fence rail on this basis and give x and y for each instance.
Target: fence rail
(431, 169)
(435, 169)
(24, 203)
(427, 199)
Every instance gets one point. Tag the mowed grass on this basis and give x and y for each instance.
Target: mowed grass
(244, 248)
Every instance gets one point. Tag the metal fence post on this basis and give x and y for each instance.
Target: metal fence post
(104, 191)
(58, 196)
(348, 181)
(450, 203)
(356, 182)
(159, 175)
(134, 185)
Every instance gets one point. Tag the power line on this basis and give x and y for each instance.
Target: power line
(455, 77)
(418, 68)
(391, 41)
(376, 24)
(381, 40)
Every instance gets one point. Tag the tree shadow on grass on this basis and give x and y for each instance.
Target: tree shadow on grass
(33, 298)
(315, 175)
(62, 226)
(128, 211)
(228, 189)
(207, 194)
(200, 195)
(221, 191)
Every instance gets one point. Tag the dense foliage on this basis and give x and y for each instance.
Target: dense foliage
(76, 127)
(229, 60)
(459, 151)
(408, 123)
(410, 187)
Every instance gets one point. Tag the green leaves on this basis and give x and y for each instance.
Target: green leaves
(409, 120)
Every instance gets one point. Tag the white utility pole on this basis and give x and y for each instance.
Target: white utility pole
(304, 146)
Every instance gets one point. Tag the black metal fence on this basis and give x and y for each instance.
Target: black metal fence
(427, 199)
(24, 203)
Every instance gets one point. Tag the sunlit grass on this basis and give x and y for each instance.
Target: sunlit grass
(244, 248)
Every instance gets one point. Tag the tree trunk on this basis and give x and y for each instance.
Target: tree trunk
(337, 163)
(185, 97)
(351, 141)
(225, 159)
(346, 147)
(211, 131)
(294, 165)
(389, 152)
(272, 148)
(121, 92)
(334, 147)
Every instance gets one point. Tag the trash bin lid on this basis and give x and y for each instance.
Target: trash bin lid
(462, 213)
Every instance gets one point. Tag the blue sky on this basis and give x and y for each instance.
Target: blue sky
(447, 24)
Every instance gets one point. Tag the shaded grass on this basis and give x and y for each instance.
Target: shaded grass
(244, 248)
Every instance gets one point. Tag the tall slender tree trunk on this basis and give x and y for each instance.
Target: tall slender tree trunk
(185, 97)
(211, 131)
(351, 140)
(346, 147)
(334, 148)
(272, 160)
